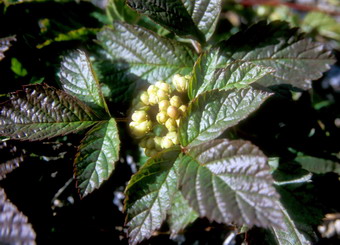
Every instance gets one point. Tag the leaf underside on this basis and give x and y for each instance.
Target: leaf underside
(39, 112)
(78, 79)
(5, 44)
(229, 181)
(213, 112)
(14, 227)
(149, 195)
(295, 59)
(97, 154)
(144, 53)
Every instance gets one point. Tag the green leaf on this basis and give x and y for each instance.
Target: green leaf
(39, 112)
(213, 112)
(171, 14)
(230, 181)
(14, 226)
(180, 214)
(318, 165)
(149, 195)
(213, 70)
(5, 44)
(97, 154)
(146, 54)
(17, 68)
(205, 14)
(295, 59)
(79, 79)
(324, 24)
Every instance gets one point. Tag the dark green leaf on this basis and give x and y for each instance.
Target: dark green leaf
(79, 79)
(40, 112)
(95, 160)
(318, 165)
(14, 227)
(213, 70)
(149, 195)
(230, 181)
(295, 59)
(180, 214)
(212, 112)
(171, 14)
(5, 43)
(146, 54)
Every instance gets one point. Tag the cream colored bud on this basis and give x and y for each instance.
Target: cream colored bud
(140, 129)
(183, 109)
(176, 101)
(178, 121)
(165, 87)
(180, 83)
(166, 143)
(144, 98)
(163, 105)
(150, 143)
(139, 116)
(158, 143)
(171, 125)
(173, 136)
(152, 89)
(162, 95)
(153, 99)
(173, 112)
(161, 117)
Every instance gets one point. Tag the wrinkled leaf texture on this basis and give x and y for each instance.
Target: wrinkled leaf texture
(230, 181)
(96, 156)
(14, 226)
(212, 112)
(5, 43)
(39, 111)
(149, 195)
(296, 60)
(146, 54)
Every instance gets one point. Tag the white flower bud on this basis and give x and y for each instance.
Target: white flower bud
(164, 86)
(140, 129)
(144, 98)
(163, 105)
(162, 95)
(183, 109)
(139, 116)
(152, 89)
(180, 83)
(173, 136)
(176, 101)
(158, 143)
(173, 112)
(171, 125)
(161, 117)
(166, 143)
(153, 99)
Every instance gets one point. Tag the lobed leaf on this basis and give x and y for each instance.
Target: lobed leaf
(95, 160)
(149, 195)
(230, 181)
(14, 226)
(213, 112)
(295, 59)
(79, 79)
(169, 13)
(180, 214)
(213, 70)
(39, 112)
(146, 54)
(5, 43)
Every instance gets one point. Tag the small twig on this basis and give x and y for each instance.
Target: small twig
(301, 7)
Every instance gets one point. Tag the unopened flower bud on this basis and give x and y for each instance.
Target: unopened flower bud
(153, 99)
(180, 83)
(158, 143)
(144, 97)
(139, 116)
(173, 112)
(162, 95)
(166, 143)
(142, 143)
(150, 152)
(152, 89)
(165, 87)
(183, 109)
(171, 125)
(163, 105)
(161, 117)
(140, 129)
(173, 136)
(150, 143)
(175, 101)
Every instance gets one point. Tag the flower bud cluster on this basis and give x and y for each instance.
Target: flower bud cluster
(158, 113)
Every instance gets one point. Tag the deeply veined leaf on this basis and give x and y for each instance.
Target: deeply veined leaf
(180, 214)
(39, 112)
(295, 59)
(14, 226)
(5, 43)
(212, 112)
(79, 79)
(318, 165)
(213, 70)
(169, 13)
(96, 157)
(230, 181)
(149, 195)
(205, 14)
(146, 54)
